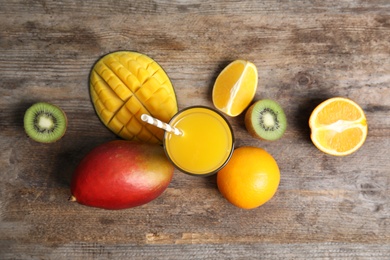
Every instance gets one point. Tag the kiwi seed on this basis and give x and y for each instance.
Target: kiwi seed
(266, 120)
(44, 122)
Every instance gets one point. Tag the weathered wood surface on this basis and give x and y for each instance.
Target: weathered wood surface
(306, 51)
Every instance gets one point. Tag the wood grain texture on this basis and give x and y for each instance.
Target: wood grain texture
(306, 51)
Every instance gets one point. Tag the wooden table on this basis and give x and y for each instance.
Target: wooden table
(306, 51)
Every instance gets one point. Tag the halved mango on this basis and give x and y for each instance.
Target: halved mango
(124, 85)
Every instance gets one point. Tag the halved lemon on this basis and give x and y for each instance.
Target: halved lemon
(338, 126)
(235, 87)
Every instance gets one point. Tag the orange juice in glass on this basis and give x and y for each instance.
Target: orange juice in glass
(206, 144)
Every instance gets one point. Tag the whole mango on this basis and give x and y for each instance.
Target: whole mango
(121, 174)
(123, 86)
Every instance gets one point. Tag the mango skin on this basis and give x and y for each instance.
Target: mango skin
(121, 174)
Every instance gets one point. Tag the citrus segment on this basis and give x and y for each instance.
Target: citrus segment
(250, 178)
(338, 126)
(235, 87)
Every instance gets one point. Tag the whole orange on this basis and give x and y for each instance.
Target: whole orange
(250, 178)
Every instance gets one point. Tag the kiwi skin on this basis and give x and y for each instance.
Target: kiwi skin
(53, 114)
(250, 122)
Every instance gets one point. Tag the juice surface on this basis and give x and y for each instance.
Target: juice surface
(206, 143)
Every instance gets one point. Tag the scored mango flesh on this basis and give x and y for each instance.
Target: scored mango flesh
(123, 86)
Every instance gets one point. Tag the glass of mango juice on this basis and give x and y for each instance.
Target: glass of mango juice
(206, 143)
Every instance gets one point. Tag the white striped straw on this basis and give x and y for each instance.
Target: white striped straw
(154, 121)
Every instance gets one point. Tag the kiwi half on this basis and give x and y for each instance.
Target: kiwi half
(44, 122)
(266, 120)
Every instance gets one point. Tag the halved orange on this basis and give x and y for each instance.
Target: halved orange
(338, 126)
(235, 87)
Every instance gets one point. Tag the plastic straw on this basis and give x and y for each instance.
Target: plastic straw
(154, 121)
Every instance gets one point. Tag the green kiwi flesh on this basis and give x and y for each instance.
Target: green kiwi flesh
(266, 120)
(44, 122)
